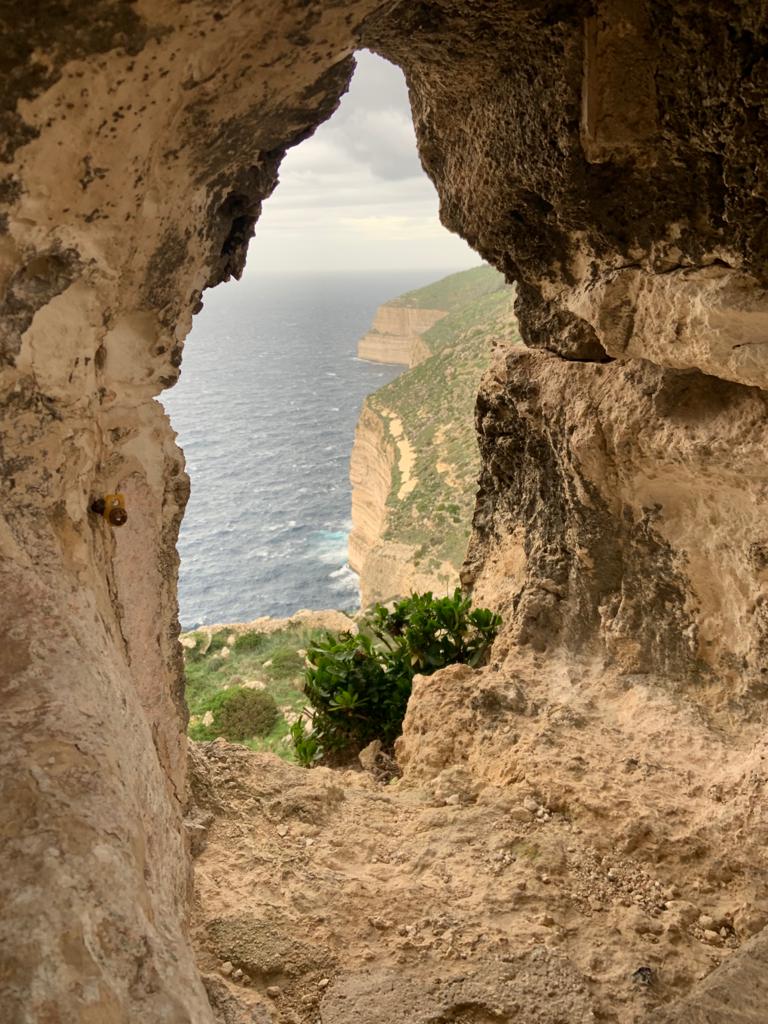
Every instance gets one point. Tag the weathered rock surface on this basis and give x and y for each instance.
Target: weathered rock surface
(311, 618)
(385, 565)
(415, 460)
(138, 143)
(625, 523)
(555, 830)
(612, 158)
(395, 335)
(374, 455)
(628, 204)
(538, 986)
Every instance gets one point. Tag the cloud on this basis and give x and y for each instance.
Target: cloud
(395, 228)
(373, 123)
(371, 132)
(354, 194)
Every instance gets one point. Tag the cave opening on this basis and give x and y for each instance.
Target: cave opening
(276, 369)
(580, 831)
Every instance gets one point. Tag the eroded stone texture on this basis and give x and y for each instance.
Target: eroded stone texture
(139, 141)
(386, 567)
(609, 155)
(600, 154)
(621, 514)
(571, 142)
(554, 831)
(540, 986)
(395, 335)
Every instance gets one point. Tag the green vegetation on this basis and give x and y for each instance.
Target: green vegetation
(272, 663)
(237, 714)
(435, 402)
(358, 685)
(453, 291)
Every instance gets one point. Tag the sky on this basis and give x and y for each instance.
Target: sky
(354, 196)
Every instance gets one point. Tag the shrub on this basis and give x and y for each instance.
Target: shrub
(306, 745)
(194, 654)
(358, 686)
(218, 642)
(286, 662)
(248, 642)
(238, 714)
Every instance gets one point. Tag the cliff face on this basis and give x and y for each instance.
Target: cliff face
(415, 461)
(626, 466)
(380, 472)
(395, 336)
(609, 157)
(374, 455)
(131, 173)
(596, 518)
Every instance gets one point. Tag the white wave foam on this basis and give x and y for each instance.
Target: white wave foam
(345, 579)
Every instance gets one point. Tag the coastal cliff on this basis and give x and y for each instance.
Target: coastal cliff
(370, 472)
(598, 790)
(400, 332)
(395, 335)
(387, 568)
(415, 461)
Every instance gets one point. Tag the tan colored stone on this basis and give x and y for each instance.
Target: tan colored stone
(395, 336)
(136, 171)
(596, 160)
(385, 566)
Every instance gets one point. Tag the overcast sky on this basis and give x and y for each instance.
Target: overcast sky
(354, 196)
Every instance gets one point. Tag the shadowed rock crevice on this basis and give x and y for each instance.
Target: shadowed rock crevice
(604, 167)
(592, 517)
(44, 276)
(590, 562)
(546, 325)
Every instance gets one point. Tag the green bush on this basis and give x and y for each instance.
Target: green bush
(251, 641)
(238, 714)
(306, 745)
(286, 663)
(358, 686)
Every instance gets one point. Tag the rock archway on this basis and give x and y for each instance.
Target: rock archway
(609, 155)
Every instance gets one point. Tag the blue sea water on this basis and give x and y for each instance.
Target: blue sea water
(265, 411)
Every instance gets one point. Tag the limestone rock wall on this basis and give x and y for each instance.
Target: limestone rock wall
(395, 335)
(609, 156)
(138, 143)
(389, 573)
(631, 140)
(636, 238)
(627, 521)
(374, 454)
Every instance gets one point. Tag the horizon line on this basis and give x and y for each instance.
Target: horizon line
(359, 270)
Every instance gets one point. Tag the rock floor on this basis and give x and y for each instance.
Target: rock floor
(560, 849)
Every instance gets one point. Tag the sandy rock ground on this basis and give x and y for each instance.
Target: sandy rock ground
(563, 847)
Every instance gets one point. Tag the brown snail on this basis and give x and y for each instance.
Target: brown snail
(112, 507)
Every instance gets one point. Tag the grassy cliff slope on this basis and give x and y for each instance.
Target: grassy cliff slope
(454, 291)
(434, 457)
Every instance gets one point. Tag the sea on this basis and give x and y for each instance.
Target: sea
(265, 411)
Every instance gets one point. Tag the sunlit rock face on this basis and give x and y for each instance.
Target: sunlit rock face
(138, 142)
(610, 156)
(395, 335)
